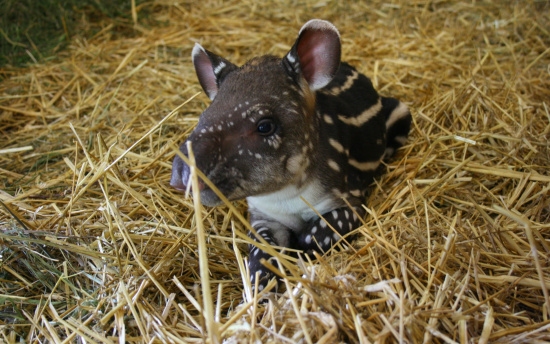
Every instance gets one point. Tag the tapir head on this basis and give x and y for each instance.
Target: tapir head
(260, 132)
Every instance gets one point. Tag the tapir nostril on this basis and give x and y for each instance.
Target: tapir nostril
(176, 181)
(178, 174)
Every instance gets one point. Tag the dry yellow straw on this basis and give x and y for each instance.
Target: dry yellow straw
(208, 307)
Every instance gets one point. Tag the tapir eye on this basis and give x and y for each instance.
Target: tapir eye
(266, 127)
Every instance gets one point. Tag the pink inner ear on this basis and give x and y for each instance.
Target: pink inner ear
(205, 72)
(319, 54)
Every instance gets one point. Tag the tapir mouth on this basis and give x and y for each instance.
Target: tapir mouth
(181, 185)
(181, 178)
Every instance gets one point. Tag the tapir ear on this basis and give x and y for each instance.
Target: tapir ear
(316, 53)
(211, 69)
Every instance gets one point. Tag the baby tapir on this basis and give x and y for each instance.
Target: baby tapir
(279, 129)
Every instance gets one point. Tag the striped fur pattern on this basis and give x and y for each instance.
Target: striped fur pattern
(279, 131)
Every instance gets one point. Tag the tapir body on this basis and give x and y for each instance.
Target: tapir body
(281, 131)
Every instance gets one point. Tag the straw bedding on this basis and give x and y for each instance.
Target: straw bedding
(96, 247)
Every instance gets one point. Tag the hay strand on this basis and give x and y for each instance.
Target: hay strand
(207, 305)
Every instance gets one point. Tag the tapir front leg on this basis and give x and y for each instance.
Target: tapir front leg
(320, 237)
(274, 234)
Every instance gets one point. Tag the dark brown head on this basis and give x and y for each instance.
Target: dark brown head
(260, 132)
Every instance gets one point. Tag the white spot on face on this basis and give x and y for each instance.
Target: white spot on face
(334, 165)
(294, 163)
(274, 141)
(293, 111)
